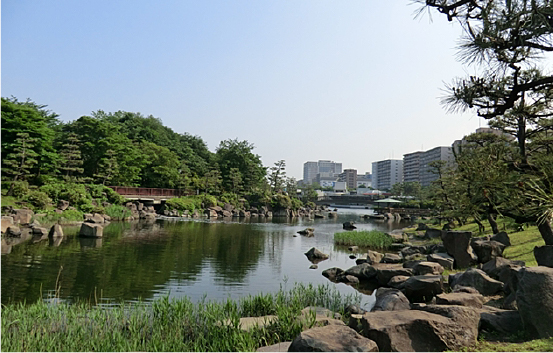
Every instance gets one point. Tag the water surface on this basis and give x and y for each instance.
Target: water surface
(216, 259)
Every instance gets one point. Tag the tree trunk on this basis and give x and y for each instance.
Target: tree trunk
(546, 232)
(481, 228)
(493, 223)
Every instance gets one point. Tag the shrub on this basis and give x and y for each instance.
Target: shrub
(20, 188)
(187, 203)
(38, 199)
(117, 212)
(67, 215)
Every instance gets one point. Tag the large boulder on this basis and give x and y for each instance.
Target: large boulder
(397, 281)
(390, 258)
(419, 289)
(495, 265)
(428, 268)
(457, 245)
(418, 331)
(502, 321)
(308, 232)
(55, 231)
(463, 299)
(502, 237)
(22, 216)
(487, 249)
(477, 279)
(315, 255)
(388, 299)
(432, 233)
(535, 300)
(362, 271)
(39, 231)
(384, 275)
(443, 259)
(332, 338)
(13, 231)
(7, 221)
(92, 230)
(544, 255)
(94, 218)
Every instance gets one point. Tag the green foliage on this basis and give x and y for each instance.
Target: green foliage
(373, 239)
(39, 200)
(235, 158)
(68, 215)
(19, 188)
(117, 212)
(187, 203)
(17, 164)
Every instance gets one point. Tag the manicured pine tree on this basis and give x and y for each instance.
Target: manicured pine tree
(17, 165)
(72, 160)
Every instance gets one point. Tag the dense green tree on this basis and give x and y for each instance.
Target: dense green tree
(162, 166)
(238, 154)
(32, 119)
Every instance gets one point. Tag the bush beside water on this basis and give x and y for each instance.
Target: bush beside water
(165, 325)
(371, 239)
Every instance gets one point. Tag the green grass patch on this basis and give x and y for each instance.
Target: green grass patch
(9, 201)
(523, 244)
(66, 216)
(165, 325)
(371, 239)
(117, 212)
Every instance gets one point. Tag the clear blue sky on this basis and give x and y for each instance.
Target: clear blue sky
(350, 81)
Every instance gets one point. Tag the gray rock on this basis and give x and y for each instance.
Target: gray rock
(487, 249)
(412, 250)
(503, 321)
(544, 255)
(457, 245)
(6, 222)
(55, 231)
(397, 281)
(314, 255)
(443, 259)
(22, 216)
(13, 231)
(363, 271)
(495, 265)
(502, 237)
(277, 347)
(94, 218)
(91, 230)
(428, 268)
(477, 279)
(332, 338)
(332, 273)
(308, 232)
(418, 331)
(390, 258)
(39, 231)
(535, 300)
(463, 299)
(388, 299)
(384, 275)
(432, 233)
(348, 225)
(420, 289)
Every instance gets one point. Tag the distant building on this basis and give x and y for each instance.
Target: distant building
(326, 167)
(387, 173)
(412, 166)
(364, 179)
(350, 177)
(441, 153)
(326, 179)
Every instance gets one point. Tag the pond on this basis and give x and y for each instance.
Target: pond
(216, 259)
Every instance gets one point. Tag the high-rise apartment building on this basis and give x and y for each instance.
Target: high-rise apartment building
(350, 177)
(387, 173)
(311, 169)
(412, 166)
(441, 153)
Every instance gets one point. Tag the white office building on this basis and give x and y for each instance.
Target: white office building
(387, 173)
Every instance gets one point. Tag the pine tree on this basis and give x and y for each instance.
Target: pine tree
(17, 165)
(72, 160)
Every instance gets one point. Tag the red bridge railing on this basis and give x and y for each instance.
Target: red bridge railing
(128, 190)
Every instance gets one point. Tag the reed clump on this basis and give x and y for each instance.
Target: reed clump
(165, 324)
(364, 238)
